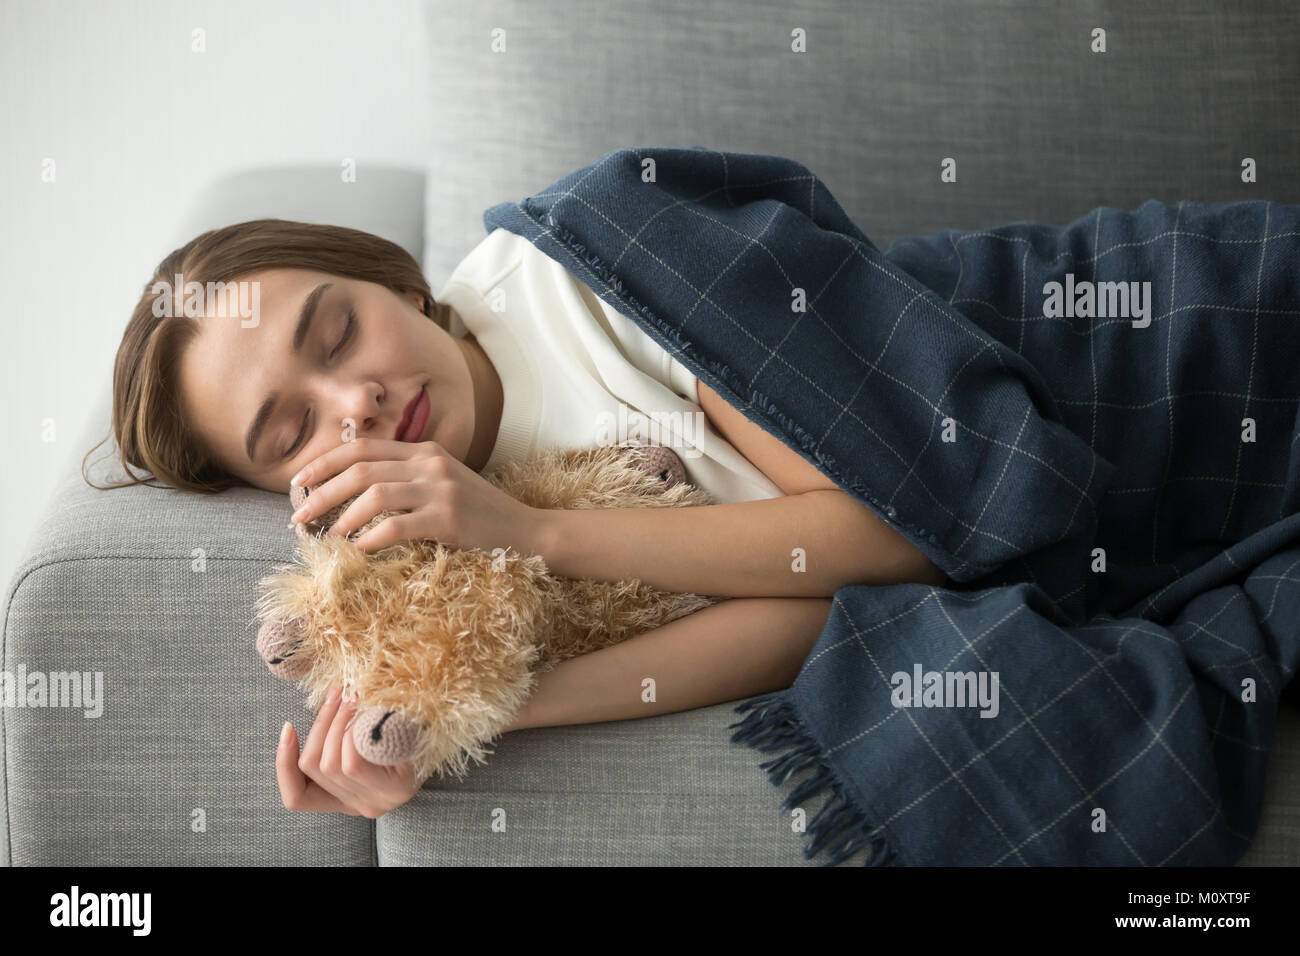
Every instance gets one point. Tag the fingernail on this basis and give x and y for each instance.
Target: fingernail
(334, 696)
(284, 733)
(297, 515)
(297, 479)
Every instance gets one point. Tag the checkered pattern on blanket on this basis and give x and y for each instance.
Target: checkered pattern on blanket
(1111, 484)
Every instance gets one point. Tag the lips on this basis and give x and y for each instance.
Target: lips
(414, 417)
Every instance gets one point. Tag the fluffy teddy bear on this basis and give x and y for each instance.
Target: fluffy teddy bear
(439, 646)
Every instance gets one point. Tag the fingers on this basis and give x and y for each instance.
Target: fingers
(371, 786)
(331, 761)
(374, 790)
(356, 479)
(391, 530)
(316, 751)
(347, 454)
(382, 783)
(334, 461)
(296, 791)
(320, 727)
(381, 496)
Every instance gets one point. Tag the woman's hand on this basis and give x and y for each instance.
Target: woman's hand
(341, 780)
(447, 501)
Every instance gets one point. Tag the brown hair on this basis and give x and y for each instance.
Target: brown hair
(151, 431)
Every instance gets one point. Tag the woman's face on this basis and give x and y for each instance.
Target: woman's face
(365, 352)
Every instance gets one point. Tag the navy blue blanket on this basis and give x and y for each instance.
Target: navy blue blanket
(1090, 428)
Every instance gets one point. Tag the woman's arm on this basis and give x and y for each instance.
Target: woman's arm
(810, 543)
(732, 650)
(801, 545)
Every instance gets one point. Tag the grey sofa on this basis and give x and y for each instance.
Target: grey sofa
(153, 587)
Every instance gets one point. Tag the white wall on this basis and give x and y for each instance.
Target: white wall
(135, 121)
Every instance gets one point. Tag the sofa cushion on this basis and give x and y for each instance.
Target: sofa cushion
(1041, 128)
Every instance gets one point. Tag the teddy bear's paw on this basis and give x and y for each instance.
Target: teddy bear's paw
(279, 642)
(660, 461)
(384, 736)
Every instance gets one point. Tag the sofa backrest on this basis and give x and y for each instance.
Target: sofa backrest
(1041, 127)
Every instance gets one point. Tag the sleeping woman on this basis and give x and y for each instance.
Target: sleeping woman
(354, 374)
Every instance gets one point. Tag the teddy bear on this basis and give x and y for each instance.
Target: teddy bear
(439, 646)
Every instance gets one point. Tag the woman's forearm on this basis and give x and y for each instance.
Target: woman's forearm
(804, 545)
(731, 650)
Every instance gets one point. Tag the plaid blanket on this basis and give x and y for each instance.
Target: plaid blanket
(1090, 428)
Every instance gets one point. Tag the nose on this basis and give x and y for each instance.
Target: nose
(359, 405)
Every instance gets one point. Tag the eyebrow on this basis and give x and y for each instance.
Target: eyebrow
(267, 407)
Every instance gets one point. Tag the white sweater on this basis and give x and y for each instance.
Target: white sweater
(576, 372)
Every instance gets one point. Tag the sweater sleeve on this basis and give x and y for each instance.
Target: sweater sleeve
(639, 349)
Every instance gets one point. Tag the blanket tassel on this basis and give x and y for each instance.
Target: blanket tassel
(838, 827)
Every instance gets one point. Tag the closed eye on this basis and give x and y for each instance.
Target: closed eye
(293, 449)
(347, 333)
(348, 330)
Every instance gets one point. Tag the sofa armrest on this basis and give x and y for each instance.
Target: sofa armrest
(136, 605)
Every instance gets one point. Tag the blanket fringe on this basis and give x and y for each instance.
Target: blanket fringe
(839, 827)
